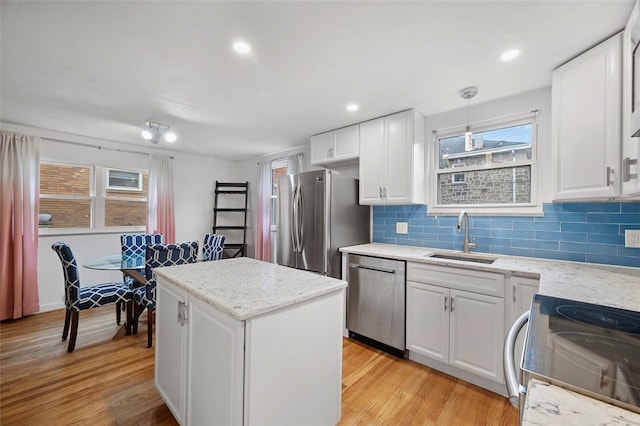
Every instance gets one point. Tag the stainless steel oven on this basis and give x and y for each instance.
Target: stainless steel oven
(588, 348)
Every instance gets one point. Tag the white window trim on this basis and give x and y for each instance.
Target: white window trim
(98, 184)
(534, 208)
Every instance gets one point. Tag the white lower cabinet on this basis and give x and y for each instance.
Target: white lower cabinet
(283, 367)
(456, 327)
(455, 317)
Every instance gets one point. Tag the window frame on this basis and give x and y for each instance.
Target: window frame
(277, 163)
(532, 208)
(98, 186)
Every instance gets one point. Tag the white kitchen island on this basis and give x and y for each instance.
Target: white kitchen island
(245, 342)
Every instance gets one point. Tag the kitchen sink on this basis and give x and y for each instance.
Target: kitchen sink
(463, 258)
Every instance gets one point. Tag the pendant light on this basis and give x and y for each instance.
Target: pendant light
(468, 93)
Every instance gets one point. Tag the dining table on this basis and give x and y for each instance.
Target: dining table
(130, 265)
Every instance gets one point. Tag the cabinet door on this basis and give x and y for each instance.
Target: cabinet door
(398, 152)
(477, 333)
(428, 320)
(372, 152)
(586, 100)
(521, 292)
(321, 148)
(630, 104)
(346, 143)
(215, 367)
(170, 346)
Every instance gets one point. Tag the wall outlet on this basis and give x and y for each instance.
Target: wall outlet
(632, 238)
(402, 227)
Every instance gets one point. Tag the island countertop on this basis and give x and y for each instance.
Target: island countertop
(245, 288)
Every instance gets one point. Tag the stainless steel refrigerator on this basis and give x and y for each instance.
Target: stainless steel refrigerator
(318, 212)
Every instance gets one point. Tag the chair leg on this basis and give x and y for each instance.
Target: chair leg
(129, 317)
(137, 310)
(118, 310)
(149, 326)
(67, 318)
(74, 330)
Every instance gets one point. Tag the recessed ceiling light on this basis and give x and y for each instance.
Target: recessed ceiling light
(510, 54)
(352, 107)
(242, 47)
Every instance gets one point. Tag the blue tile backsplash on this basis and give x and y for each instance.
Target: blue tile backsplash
(580, 232)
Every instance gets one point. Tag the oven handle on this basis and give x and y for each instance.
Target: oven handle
(510, 374)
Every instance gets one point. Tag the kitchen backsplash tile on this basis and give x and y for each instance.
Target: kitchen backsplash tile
(581, 232)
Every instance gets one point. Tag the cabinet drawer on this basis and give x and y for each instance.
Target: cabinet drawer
(483, 282)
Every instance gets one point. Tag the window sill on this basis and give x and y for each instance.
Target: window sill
(46, 232)
(486, 211)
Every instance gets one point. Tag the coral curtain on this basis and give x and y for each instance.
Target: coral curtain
(263, 227)
(160, 206)
(19, 204)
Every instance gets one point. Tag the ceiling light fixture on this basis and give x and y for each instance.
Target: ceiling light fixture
(468, 93)
(352, 107)
(242, 47)
(510, 54)
(155, 130)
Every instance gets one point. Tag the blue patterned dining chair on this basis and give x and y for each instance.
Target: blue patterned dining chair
(156, 256)
(135, 245)
(212, 247)
(77, 298)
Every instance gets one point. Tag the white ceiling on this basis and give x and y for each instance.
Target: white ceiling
(102, 69)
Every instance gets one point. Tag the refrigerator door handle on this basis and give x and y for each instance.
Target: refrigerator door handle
(300, 232)
(294, 218)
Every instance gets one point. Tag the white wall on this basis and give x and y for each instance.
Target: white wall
(194, 182)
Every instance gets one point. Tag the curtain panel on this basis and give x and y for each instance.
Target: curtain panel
(263, 226)
(19, 205)
(160, 202)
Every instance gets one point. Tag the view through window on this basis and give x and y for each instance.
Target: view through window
(495, 170)
(91, 197)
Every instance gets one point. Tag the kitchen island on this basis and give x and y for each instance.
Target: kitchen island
(245, 342)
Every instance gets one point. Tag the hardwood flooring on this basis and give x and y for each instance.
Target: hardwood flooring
(109, 381)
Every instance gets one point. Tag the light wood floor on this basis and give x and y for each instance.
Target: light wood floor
(110, 381)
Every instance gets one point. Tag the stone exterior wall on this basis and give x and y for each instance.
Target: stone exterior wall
(56, 179)
(491, 186)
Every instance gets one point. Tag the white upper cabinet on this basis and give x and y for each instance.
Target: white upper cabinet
(335, 146)
(631, 105)
(586, 124)
(392, 159)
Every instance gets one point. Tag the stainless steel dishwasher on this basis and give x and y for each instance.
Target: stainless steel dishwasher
(376, 302)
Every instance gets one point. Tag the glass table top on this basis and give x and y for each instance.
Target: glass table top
(115, 262)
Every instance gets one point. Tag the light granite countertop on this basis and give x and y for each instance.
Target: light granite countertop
(616, 286)
(245, 288)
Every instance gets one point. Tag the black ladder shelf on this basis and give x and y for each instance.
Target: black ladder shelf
(230, 191)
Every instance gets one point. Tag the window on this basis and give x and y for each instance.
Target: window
(278, 168)
(496, 170)
(123, 180)
(91, 197)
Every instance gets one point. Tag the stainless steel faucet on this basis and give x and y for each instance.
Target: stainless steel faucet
(467, 245)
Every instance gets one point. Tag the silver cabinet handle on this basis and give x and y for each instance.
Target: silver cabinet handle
(384, 190)
(445, 303)
(626, 169)
(380, 188)
(514, 294)
(451, 310)
(183, 313)
(609, 172)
